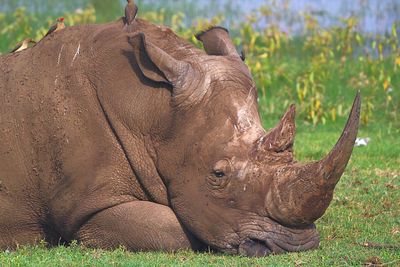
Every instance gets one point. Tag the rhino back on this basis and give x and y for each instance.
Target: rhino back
(41, 93)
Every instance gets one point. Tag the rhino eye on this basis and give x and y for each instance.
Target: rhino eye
(219, 174)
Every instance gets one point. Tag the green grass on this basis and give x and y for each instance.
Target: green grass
(365, 208)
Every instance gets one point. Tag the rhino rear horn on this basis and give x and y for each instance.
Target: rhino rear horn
(156, 64)
(281, 137)
(217, 42)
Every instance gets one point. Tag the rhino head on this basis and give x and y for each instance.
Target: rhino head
(234, 185)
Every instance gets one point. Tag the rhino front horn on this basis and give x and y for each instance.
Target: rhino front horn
(335, 162)
(302, 192)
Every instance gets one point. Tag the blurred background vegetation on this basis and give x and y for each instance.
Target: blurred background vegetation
(315, 53)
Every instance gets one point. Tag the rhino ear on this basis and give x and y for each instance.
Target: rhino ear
(217, 42)
(156, 64)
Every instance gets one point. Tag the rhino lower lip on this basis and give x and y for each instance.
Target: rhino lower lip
(254, 247)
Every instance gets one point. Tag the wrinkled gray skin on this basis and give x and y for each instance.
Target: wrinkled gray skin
(142, 140)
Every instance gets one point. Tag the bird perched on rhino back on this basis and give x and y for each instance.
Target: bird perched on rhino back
(23, 45)
(130, 12)
(57, 26)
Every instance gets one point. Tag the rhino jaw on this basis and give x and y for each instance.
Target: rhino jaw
(300, 193)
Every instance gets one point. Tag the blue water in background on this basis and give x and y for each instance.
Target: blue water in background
(375, 16)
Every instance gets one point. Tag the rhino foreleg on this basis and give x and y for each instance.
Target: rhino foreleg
(138, 226)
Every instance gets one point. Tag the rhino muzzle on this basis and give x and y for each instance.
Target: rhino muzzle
(262, 236)
(300, 193)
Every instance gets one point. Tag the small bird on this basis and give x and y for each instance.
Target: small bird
(23, 45)
(56, 27)
(130, 12)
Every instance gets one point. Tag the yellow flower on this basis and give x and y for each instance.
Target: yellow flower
(386, 85)
(397, 61)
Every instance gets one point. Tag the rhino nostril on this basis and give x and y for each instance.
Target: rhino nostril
(254, 248)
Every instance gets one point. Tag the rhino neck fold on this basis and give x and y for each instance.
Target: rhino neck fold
(136, 153)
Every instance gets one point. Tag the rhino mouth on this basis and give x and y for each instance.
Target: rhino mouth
(280, 240)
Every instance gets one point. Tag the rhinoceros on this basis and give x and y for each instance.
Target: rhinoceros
(137, 138)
